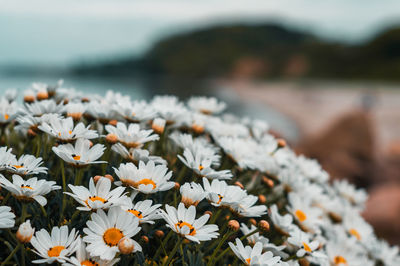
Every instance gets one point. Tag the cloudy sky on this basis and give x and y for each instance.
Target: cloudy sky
(62, 32)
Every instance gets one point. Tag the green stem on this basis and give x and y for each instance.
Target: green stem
(222, 254)
(163, 242)
(38, 147)
(224, 238)
(64, 184)
(6, 198)
(215, 216)
(173, 252)
(24, 213)
(11, 254)
(249, 234)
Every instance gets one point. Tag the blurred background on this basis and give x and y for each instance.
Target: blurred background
(324, 74)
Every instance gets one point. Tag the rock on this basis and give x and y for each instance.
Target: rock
(383, 211)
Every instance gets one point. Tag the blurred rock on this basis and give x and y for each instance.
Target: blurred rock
(346, 148)
(383, 211)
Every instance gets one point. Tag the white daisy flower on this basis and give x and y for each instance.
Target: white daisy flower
(282, 223)
(11, 94)
(75, 110)
(132, 136)
(305, 246)
(245, 207)
(81, 154)
(25, 232)
(104, 232)
(240, 150)
(254, 238)
(183, 221)
(312, 170)
(136, 111)
(253, 255)
(306, 215)
(147, 178)
(6, 217)
(169, 108)
(8, 111)
(99, 196)
(55, 247)
(40, 108)
(82, 257)
(63, 129)
(215, 192)
(28, 121)
(136, 155)
(357, 227)
(206, 105)
(6, 157)
(27, 165)
(357, 197)
(29, 190)
(192, 193)
(383, 252)
(200, 162)
(345, 252)
(143, 210)
(100, 110)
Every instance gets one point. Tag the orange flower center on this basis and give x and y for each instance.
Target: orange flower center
(307, 247)
(138, 214)
(18, 166)
(89, 263)
(219, 198)
(146, 181)
(248, 260)
(112, 236)
(339, 260)
(55, 251)
(355, 233)
(181, 224)
(6, 116)
(26, 186)
(76, 157)
(94, 198)
(301, 215)
(70, 132)
(201, 167)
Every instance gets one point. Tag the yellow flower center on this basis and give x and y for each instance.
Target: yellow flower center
(181, 224)
(138, 214)
(112, 236)
(89, 263)
(94, 198)
(6, 116)
(146, 181)
(55, 251)
(301, 215)
(248, 260)
(307, 247)
(339, 260)
(355, 233)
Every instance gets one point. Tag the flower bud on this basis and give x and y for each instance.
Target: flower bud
(29, 98)
(262, 199)
(145, 239)
(42, 95)
(158, 125)
(268, 182)
(209, 213)
(109, 177)
(237, 183)
(85, 100)
(159, 234)
(177, 186)
(31, 133)
(25, 232)
(126, 246)
(76, 116)
(263, 225)
(253, 221)
(233, 225)
(111, 138)
(281, 143)
(113, 122)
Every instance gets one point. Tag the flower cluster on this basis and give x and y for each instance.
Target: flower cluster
(92, 180)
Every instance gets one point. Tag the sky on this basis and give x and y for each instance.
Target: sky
(61, 33)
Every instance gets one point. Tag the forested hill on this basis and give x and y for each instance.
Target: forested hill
(262, 51)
